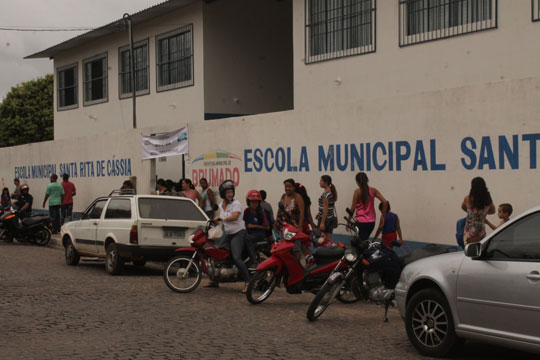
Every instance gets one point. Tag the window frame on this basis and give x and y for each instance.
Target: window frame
(184, 29)
(353, 51)
(444, 32)
(121, 49)
(507, 228)
(119, 218)
(105, 78)
(90, 209)
(535, 9)
(58, 70)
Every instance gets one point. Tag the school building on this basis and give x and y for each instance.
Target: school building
(422, 95)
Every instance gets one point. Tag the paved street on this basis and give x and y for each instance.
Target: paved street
(51, 311)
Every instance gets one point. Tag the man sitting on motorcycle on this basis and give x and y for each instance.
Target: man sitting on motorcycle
(25, 201)
(257, 224)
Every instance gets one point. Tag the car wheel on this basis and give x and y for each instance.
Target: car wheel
(429, 324)
(72, 256)
(113, 262)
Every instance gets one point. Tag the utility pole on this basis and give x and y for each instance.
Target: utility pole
(127, 18)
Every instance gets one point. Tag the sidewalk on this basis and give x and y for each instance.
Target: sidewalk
(56, 241)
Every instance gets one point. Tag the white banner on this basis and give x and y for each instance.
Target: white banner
(168, 144)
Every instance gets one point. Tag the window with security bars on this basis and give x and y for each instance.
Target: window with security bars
(140, 59)
(427, 20)
(175, 59)
(95, 80)
(339, 28)
(66, 80)
(535, 5)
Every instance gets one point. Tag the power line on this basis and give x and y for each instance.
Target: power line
(22, 28)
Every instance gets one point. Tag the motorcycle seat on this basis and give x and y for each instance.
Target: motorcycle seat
(30, 221)
(328, 254)
(426, 251)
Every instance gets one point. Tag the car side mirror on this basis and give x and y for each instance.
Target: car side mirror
(473, 250)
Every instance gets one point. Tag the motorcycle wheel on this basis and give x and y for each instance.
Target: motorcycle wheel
(261, 286)
(322, 300)
(180, 276)
(346, 294)
(42, 237)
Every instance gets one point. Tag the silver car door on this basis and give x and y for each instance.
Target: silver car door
(498, 294)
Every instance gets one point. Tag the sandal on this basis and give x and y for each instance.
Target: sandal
(244, 290)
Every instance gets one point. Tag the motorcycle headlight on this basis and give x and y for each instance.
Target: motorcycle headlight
(351, 255)
(287, 235)
(190, 238)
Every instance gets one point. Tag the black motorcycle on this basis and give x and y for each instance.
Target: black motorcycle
(373, 271)
(34, 229)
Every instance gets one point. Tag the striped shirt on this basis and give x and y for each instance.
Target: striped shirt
(330, 212)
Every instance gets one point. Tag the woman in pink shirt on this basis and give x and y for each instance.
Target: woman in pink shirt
(189, 191)
(363, 205)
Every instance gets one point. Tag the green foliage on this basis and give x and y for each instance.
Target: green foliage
(26, 113)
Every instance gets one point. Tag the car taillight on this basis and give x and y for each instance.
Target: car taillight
(133, 235)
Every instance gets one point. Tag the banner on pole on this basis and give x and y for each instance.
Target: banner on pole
(168, 144)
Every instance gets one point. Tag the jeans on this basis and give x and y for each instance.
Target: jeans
(251, 242)
(237, 242)
(54, 213)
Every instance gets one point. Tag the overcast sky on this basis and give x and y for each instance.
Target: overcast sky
(15, 45)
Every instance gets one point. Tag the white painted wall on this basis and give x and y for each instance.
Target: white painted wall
(509, 52)
(428, 202)
(89, 150)
(166, 108)
(248, 56)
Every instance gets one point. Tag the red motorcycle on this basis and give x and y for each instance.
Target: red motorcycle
(283, 266)
(183, 273)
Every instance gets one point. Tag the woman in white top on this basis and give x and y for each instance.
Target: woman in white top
(230, 212)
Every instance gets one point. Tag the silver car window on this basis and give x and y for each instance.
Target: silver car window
(519, 241)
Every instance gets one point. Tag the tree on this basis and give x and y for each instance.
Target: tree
(26, 113)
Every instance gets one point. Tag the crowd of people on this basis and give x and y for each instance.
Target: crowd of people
(59, 196)
(245, 227)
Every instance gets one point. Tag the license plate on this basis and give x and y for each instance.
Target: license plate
(174, 234)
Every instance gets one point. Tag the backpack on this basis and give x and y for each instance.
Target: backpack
(460, 229)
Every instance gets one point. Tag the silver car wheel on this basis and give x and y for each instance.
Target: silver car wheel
(430, 323)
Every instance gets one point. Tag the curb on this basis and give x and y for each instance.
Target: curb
(56, 241)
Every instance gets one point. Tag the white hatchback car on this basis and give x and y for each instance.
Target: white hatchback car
(136, 228)
(489, 293)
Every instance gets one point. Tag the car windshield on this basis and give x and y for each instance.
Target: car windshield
(171, 209)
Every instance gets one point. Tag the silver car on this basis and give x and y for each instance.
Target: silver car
(490, 293)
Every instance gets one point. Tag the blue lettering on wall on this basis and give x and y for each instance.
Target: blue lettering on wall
(280, 159)
(419, 156)
(532, 139)
(304, 160)
(379, 146)
(467, 146)
(268, 156)
(81, 169)
(326, 161)
(510, 153)
(402, 156)
(486, 154)
(433, 155)
(478, 153)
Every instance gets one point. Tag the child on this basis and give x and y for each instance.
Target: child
(504, 212)
(390, 229)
